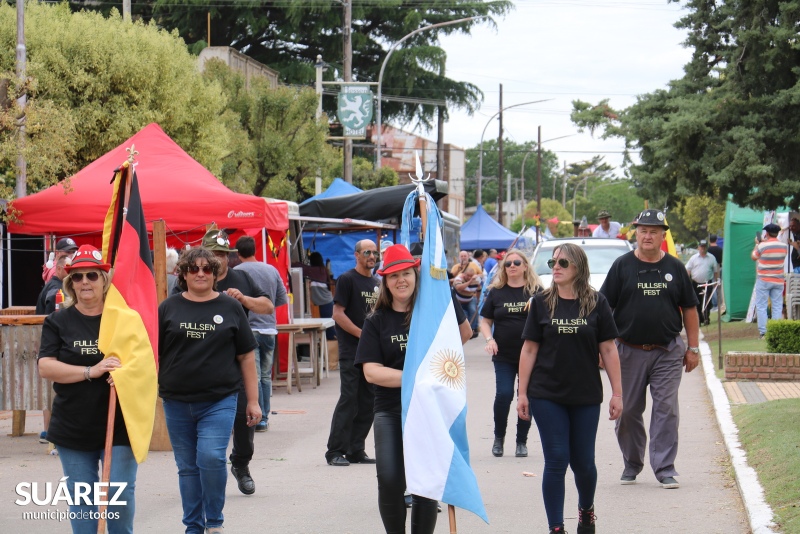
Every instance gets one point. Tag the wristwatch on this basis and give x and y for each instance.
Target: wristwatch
(695, 350)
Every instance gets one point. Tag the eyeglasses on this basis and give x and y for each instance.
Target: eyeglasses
(194, 269)
(517, 263)
(91, 276)
(562, 262)
(367, 253)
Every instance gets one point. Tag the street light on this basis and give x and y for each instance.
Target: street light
(480, 156)
(383, 67)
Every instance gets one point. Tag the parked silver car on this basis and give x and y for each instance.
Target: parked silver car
(601, 251)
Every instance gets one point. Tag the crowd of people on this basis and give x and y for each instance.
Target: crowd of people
(548, 345)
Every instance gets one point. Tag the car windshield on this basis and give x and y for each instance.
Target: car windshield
(600, 259)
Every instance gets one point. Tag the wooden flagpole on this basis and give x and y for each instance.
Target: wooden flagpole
(451, 513)
(112, 397)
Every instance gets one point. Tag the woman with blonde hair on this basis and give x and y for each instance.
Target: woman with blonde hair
(559, 382)
(502, 320)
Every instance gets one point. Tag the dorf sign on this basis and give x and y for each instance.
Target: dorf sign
(355, 110)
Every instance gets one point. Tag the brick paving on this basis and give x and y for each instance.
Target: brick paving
(755, 392)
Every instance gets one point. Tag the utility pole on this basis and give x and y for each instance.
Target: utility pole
(500, 163)
(440, 144)
(22, 165)
(564, 188)
(539, 182)
(319, 67)
(348, 77)
(126, 10)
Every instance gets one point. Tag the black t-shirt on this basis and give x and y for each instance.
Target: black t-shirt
(357, 294)
(197, 347)
(506, 307)
(46, 304)
(566, 365)
(240, 280)
(647, 298)
(80, 409)
(716, 251)
(383, 340)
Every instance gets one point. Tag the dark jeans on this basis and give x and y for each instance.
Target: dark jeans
(392, 481)
(243, 435)
(505, 379)
(352, 417)
(568, 434)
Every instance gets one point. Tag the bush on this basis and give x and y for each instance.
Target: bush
(783, 337)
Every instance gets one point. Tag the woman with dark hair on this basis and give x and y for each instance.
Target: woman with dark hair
(381, 353)
(502, 320)
(320, 282)
(559, 381)
(69, 356)
(205, 352)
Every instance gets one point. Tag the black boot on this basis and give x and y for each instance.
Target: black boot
(497, 448)
(586, 519)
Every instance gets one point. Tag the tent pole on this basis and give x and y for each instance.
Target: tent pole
(264, 245)
(8, 261)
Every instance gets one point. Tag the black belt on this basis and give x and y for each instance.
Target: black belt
(646, 346)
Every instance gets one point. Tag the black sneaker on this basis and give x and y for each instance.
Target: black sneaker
(246, 483)
(558, 530)
(669, 483)
(627, 480)
(586, 519)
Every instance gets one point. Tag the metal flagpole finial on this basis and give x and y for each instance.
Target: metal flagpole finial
(419, 180)
(132, 153)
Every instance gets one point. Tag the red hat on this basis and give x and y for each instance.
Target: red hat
(88, 257)
(396, 258)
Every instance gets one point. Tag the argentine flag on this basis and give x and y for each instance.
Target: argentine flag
(434, 389)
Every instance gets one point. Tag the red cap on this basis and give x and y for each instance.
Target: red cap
(88, 257)
(396, 258)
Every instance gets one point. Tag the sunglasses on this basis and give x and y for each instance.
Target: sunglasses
(562, 262)
(517, 263)
(91, 276)
(367, 253)
(194, 269)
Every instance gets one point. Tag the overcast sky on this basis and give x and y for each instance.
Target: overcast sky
(564, 50)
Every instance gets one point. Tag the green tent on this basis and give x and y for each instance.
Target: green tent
(739, 272)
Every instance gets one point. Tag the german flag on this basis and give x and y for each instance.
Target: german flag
(129, 327)
(668, 245)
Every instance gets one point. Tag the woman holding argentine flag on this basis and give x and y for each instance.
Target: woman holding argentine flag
(381, 352)
(568, 325)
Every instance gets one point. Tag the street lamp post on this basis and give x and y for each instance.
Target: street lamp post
(378, 117)
(478, 196)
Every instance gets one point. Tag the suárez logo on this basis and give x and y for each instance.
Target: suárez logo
(30, 492)
(239, 214)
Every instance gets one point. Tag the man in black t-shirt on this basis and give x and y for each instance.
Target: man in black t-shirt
(356, 293)
(652, 297)
(46, 303)
(239, 285)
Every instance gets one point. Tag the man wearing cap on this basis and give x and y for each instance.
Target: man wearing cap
(46, 303)
(649, 290)
(65, 246)
(356, 293)
(242, 287)
(702, 268)
(607, 227)
(770, 257)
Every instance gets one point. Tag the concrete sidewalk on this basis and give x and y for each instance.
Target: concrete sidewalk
(297, 492)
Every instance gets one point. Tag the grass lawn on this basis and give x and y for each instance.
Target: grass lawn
(771, 436)
(737, 336)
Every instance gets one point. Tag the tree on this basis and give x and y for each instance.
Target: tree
(513, 155)
(550, 209)
(365, 176)
(701, 216)
(288, 36)
(730, 125)
(282, 144)
(95, 81)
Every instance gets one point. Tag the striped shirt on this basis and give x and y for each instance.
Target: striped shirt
(770, 260)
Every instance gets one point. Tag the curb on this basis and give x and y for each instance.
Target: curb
(759, 513)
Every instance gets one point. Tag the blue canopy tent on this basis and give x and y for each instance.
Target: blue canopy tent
(481, 231)
(337, 188)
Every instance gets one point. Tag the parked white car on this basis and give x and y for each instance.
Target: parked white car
(601, 252)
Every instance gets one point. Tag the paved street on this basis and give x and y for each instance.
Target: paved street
(297, 492)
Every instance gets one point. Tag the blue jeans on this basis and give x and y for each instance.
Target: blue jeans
(773, 292)
(265, 352)
(505, 379)
(200, 432)
(469, 310)
(568, 434)
(82, 466)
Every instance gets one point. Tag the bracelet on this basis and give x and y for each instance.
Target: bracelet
(620, 396)
(86, 373)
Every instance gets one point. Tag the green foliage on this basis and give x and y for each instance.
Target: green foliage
(550, 208)
(701, 216)
(279, 147)
(96, 81)
(288, 36)
(783, 336)
(513, 156)
(730, 125)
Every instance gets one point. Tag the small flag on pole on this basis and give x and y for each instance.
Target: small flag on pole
(129, 326)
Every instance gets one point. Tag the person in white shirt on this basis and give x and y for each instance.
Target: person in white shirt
(702, 268)
(607, 228)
